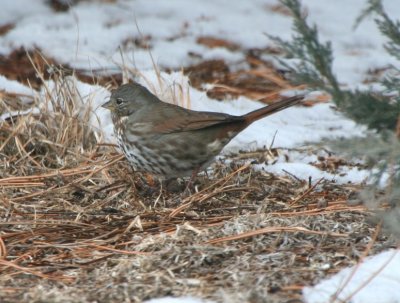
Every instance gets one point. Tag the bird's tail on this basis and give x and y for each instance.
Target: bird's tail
(272, 109)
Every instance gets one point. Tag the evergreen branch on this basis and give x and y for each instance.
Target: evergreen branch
(388, 27)
(316, 59)
(314, 68)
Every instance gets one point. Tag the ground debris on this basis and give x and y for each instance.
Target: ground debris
(77, 225)
(239, 234)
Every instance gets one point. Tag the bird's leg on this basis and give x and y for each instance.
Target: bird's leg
(147, 184)
(161, 191)
(191, 181)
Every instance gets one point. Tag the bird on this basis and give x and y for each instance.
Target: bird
(169, 141)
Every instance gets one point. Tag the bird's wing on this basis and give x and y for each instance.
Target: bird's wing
(176, 119)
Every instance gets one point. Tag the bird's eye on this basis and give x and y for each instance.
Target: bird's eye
(119, 101)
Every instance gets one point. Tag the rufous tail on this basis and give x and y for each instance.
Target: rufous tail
(272, 109)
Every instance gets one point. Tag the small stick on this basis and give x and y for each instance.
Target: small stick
(306, 192)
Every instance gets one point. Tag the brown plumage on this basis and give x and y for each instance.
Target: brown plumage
(170, 141)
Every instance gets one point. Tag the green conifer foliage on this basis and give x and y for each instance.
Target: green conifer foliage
(380, 111)
(314, 68)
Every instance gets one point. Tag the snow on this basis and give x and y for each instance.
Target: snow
(303, 171)
(14, 86)
(90, 34)
(98, 35)
(376, 279)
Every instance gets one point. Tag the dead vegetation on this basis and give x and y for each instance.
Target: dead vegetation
(260, 82)
(77, 225)
(31, 67)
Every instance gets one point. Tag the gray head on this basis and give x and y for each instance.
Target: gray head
(128, 98)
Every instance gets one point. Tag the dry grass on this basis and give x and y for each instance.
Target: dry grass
(78, 226)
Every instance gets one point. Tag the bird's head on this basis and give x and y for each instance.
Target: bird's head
(129, 98)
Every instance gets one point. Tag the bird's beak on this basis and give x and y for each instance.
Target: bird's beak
(108, 105)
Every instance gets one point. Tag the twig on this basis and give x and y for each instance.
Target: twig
(267, 230)
(306, 192)
(34, 272)
(335, 296)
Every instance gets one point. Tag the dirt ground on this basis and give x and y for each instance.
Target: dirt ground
(78, 225)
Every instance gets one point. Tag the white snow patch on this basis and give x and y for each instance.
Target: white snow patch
(376, 279)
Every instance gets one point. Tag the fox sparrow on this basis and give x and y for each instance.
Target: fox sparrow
(170, 141)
